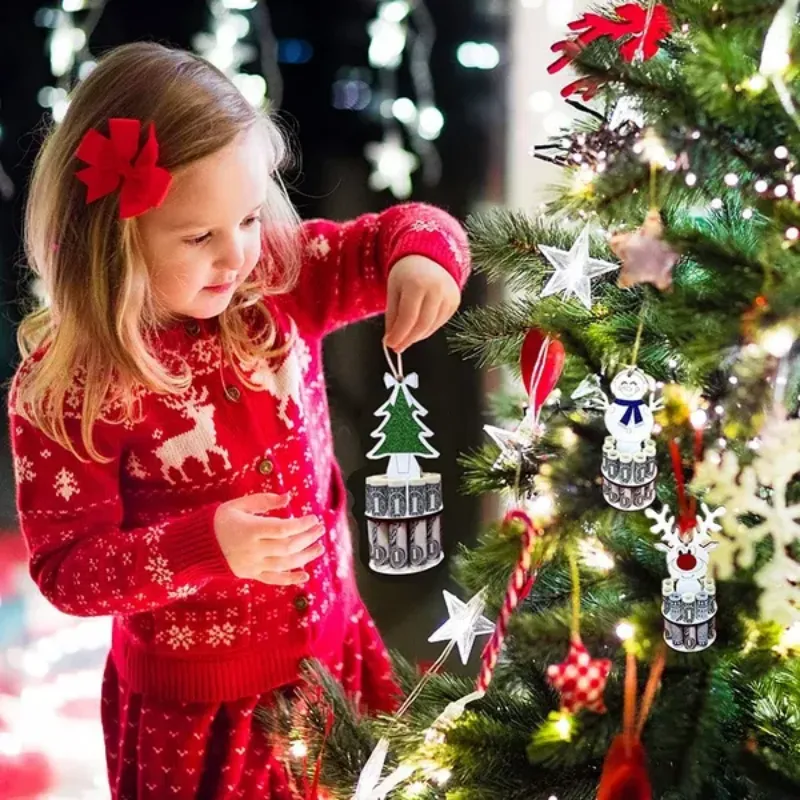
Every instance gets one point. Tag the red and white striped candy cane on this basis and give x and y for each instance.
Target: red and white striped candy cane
(519, 587)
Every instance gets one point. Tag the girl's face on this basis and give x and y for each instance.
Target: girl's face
(205, 238)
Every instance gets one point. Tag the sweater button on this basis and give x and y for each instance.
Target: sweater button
(233, 394)
(265, 467)
(193, 327)
(301, 603)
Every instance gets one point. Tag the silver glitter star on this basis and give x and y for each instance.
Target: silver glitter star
(465, 623)
(574, 270)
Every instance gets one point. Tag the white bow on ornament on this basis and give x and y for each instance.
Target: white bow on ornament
(402, 382)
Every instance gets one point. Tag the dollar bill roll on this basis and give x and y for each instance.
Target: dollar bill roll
(398, 498)
(433, 529)
(378, 543)
(417, 497)
(398, 544)
(377, 497)
(433, 493)
(417, 542)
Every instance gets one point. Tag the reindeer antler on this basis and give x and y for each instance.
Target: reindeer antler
(180, 402)
(708, 523)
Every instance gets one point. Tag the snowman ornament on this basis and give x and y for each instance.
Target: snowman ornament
(629, 418)
(629, 466)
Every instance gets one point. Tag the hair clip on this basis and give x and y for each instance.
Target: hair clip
(114, 160)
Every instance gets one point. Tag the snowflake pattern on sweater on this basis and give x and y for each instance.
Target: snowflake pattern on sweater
(133, 538)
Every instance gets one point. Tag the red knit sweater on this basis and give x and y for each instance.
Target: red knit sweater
(134, 538)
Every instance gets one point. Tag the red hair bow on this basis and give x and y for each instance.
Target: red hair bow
(114, 160)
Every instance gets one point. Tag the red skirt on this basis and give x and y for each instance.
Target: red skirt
(198, 751)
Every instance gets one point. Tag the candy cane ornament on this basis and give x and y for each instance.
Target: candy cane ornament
(519, 587)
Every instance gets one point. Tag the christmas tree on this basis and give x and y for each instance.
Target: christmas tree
(651, 622)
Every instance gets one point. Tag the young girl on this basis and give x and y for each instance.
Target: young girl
(169, 422)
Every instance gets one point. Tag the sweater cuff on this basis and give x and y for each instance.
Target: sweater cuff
(191, 547)
(437, 247)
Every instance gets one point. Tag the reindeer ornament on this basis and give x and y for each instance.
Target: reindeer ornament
(689, 596)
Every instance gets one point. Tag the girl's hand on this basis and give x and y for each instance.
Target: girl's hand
(267, 549)
(422, 297)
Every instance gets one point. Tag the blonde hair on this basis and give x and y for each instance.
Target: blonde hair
(100, 311)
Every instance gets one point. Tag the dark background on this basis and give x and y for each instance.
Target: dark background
(332, 182)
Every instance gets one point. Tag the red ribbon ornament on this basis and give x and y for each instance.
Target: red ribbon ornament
(542, 362)
(114, 161)
(631, 23)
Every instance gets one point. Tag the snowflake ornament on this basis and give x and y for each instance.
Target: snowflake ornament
(574, 270)
(761, 491)
(581, 679)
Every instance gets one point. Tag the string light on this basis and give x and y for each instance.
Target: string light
(226, 47)
(781, 190)
(761, 186)
(782, 152)
(594, 556)
(415, 789)
(71, 28)
(698, 419)
(778, 342)
(400, 32)
(298, 749)
(625, 631)
(564, 725)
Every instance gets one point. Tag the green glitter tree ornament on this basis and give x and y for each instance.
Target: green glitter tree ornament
(402, 434)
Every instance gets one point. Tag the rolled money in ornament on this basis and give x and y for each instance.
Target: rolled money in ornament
(689, 618)
(404, 523)
(378, 543)
(398, 544)
(398, 498)
(417, 498)
(417, 542)
(377, 497)
(433, 493)
(433, 535)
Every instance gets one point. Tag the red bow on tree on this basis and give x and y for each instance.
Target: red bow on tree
(114, 160)
(631, 21)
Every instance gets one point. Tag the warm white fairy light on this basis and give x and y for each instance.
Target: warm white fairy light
(698, 419)
(778, 341)
(781, 190)
(716, 203)
(731, 179)
(691, 179)
(625, 631)
(747, 213)
(416, 789)
(403, 33)
(563, 726)
(594, 556)
(298, 749)
(793, 234)
(756, 83)
(782, 152)
(761, 186)
(226, 46)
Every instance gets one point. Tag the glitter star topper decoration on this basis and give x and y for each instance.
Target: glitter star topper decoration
(465, 623)
(574, 270)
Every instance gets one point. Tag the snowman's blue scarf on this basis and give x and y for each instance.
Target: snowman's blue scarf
(633, 412)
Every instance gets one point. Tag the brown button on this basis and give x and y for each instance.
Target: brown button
(265, 467)
(233, 394)
(193, 327)
(301, 603)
